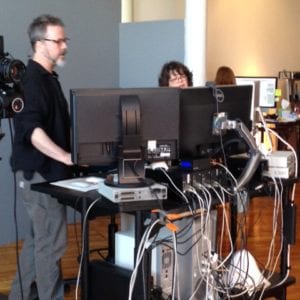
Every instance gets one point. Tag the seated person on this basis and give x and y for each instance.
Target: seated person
(175, 74)
(224, 76)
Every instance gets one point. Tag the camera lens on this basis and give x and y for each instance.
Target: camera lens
(11, 103)
(17, 104)
(11, 71)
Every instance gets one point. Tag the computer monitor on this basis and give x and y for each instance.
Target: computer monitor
(264, 92)
(198, 107)
(127, 127)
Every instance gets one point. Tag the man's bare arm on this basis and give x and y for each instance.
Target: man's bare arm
(41, 141)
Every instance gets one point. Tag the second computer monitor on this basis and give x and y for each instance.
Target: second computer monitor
(198, 107)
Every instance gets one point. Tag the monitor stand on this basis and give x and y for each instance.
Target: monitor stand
(113, 180)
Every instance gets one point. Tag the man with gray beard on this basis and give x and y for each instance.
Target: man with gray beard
(41, 152)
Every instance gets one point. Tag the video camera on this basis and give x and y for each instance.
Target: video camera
(11, 73)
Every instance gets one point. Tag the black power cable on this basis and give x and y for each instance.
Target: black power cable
(16, 219)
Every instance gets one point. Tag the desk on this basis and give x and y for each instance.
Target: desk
(81, 201)
(289, 131)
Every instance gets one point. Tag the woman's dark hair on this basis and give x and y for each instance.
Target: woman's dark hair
(174, 66)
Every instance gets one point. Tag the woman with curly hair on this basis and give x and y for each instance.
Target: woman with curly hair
(175, 74)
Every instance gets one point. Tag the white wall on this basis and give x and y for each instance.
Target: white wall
(253, 37)
(150, 10)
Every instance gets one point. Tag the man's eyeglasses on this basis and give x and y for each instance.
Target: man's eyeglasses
(59, 41)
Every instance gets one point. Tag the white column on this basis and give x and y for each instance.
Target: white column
(127, 11)
(195, 39)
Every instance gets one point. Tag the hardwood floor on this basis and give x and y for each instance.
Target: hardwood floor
(259, 232)
(98, 240)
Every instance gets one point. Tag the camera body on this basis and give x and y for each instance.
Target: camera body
(11, 74)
